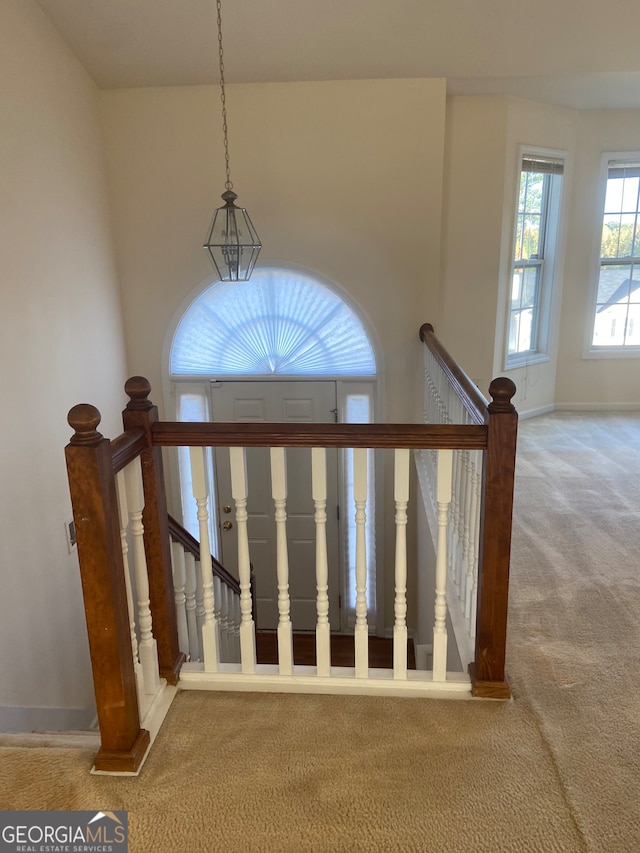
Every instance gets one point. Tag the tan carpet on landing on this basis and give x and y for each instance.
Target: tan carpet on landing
(306, 773)
(557, 769)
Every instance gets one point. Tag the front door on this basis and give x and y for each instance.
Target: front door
(280, 402)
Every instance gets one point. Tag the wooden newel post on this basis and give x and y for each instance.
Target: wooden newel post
(95, 512)
(142, 414)
(487, 673)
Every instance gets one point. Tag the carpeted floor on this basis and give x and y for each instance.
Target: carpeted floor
(574, 622)
(557, 769)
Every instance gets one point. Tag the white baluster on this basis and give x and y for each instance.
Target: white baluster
(426, 396)
(401, 496)
(210, 639)
(440, 627)
(279, 494)
(467, 527)
(443, 386)
(190, 587)
(453, 516)
(433, 457)
(227, 605)
(147, 646)
(220, 616)
(124, 524)
(239, 491)
(227, 609)
(179, 575)
(472, 561)
(446, 396)
(319, 493)
(361, 630)
(236, 627)
(458, 490)
(199, 607)
(460, 563)
(474, 591)
(431, 388)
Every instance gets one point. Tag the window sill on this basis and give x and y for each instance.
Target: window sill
(516, 362)
(610, 352)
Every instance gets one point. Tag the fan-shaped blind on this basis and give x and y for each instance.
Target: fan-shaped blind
(279, 322)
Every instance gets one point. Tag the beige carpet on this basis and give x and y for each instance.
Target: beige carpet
(299, 773)
(574, 650)
(558, 769)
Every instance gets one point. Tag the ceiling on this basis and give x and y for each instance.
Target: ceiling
(580, 53)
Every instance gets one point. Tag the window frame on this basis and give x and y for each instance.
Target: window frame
(549, 240)
(590, 350)
(337, 311)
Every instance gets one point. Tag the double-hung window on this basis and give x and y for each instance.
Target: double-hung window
(616, 325)
(536, 228)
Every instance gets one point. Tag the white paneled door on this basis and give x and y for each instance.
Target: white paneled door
(280, 402)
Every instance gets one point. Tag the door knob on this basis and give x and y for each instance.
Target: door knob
(227, 525)
(226, 508)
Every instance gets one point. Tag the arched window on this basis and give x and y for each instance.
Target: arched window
(280, 322)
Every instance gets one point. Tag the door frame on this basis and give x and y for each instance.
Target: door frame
(345, 386)
(220, 464)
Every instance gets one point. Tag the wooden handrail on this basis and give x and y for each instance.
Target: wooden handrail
(126, 447)
(413, 436)
(467, 391)
(191, 544)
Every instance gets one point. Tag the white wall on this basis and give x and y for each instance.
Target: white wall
(476, 152)
(61, 343)
(341, 177)
(484, 135)
(584, 381)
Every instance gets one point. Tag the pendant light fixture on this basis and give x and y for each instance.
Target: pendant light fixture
(232, 241)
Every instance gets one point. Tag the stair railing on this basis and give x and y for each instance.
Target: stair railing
(185, 554)
(123, 640)
(480, 512)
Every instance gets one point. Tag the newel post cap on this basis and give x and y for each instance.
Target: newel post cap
(501, 391)
(83, 419)
(138, 389)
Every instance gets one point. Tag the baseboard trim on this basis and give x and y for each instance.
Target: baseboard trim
(52, 740)
(535, 413)
(25, 720)
(597, 407)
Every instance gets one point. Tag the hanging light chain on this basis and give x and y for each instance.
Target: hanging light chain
(232, 242)
(228, 183)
